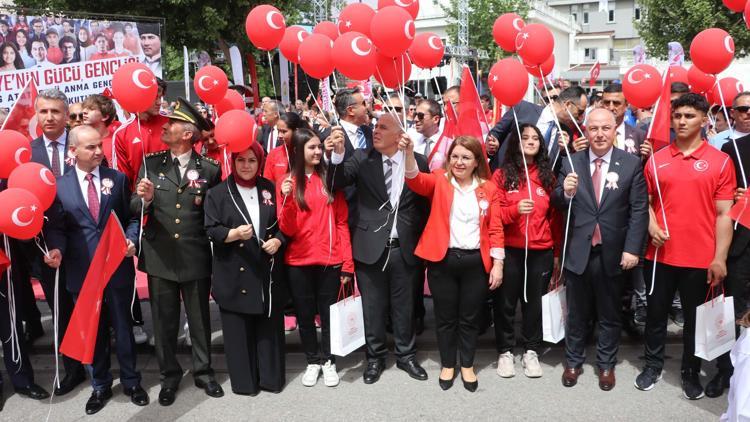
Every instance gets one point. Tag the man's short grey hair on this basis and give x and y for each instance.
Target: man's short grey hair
(189, 127)
(76, 132)
(276, 106)
(53, 94)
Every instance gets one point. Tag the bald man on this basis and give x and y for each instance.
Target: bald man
(610, 211)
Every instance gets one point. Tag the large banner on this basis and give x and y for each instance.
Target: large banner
(78, 56)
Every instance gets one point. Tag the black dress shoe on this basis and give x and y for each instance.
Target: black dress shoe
(33, 391)
(412, 368)
(97, 400)
(166, 396)
(445, 384)
(373, 371)
(69, 383)
(137, 394)
(718, 383)
(471, 386)
(212, 388)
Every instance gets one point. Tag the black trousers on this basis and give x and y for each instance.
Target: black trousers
(314, 289)
(506, 298)
(691, 283)
(165, 311)
(737, 285)
(419, 309)
(593, 291)
(254, 347)
(459, 286)
(19, 369)
(392, 290)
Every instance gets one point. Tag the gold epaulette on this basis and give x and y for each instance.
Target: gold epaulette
(157, 153)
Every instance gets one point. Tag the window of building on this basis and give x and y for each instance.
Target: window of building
(575, 17)
(637, 13)
(611, 15)
(585, 17)
(589, 53)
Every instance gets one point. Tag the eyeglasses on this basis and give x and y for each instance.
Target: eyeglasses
(76, 116)
(420, 115)
(397, 109)
(412, 109)
(742, 109)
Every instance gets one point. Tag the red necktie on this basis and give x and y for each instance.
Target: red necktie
(596, 178)
(93, 198)
(55, 159)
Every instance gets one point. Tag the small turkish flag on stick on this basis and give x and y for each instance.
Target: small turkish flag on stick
(596, 69)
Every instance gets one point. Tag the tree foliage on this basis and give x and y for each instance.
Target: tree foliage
(678, 20)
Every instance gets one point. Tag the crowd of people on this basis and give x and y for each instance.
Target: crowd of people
(569, 190)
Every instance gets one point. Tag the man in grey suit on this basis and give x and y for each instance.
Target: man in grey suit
(608, 225)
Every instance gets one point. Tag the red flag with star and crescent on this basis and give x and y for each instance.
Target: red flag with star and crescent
(661, 122)
(22, 116)
(80, 338)
(594, 73)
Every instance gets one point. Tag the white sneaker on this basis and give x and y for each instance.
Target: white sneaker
(531, 367)
(188, 340)
(330, 377)
(505, 366)
(139, 334)
(310, 377)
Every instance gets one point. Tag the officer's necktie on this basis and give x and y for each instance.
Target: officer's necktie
(176, 164)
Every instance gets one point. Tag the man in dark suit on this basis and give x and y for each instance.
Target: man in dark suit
(268, 135)
(85, 199)
(175, 251)
(50, 150)
(608, 225)
(387, 270)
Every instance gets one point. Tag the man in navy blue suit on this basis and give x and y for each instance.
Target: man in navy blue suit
(86, 197)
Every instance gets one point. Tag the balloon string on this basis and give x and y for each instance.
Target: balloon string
(114, 138)
(528, 185)
(559, 129)
(270, 67)
(11, 296)
(732, 137)
(315, 99)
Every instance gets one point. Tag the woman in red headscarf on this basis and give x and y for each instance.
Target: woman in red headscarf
(240, 216)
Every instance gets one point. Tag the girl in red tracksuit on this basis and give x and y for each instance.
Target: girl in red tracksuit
(517, 212)
(319, 253)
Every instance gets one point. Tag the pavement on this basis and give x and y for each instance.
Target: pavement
(396, 397)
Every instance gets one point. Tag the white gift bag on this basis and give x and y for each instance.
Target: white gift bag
(714, 328)
(347, 325)
(554, 314)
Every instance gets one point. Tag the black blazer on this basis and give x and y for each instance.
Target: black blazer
(241, 270)
(622, 213)
(364, 171)
(741, 237)
(39, 153)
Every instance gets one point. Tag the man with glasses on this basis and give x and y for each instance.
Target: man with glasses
(410, 113)
(630, 139)
(75, 114)
(427, 126)
(740, 114)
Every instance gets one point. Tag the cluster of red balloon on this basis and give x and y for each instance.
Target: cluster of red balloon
(367, 43)
(509, 78)
(740, 6)
(31, 188)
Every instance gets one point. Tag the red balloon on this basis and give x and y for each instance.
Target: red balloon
(355, 56)
(508, 81)
(700, 82)
(546, 67)
(210, 84)
(15, 149)
(642, 85)
(746, 15)
(392, 72)
(392, 30)
(265, 26)
(236, 130)
(505, 29)
(735, 5)
(37, 179)
(315, 56)
(427, 50)
(293, 37)
(729, 87)
(134, 87)
(411, 6)
(21, 214)
(678, 74)
(534, 43)
(232, 101)
(327, 28)
(356, 17)
(712, 50)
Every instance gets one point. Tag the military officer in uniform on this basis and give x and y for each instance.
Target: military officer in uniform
(175, 248)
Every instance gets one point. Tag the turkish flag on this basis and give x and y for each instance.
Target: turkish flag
(740, 212)
(80, 338)
(471, 117)
(108, 93)
(594, 73)
(4, 261)
(22, 116)
(658, 132)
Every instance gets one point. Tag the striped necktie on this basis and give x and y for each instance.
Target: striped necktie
(361, 140)
(388, 176)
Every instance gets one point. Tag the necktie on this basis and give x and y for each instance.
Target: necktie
(93, 196)
(176, 164)
(361, 141)
(55, 159)
(427, 147)
(548, 134)
(596, 178)
(388, 176)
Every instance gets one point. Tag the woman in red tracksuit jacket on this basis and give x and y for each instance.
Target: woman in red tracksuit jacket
(518, 212)
(318, 254)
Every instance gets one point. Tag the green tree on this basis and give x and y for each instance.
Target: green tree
(678, 20)
(482, 15)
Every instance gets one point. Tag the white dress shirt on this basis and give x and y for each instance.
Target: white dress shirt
(60, 148)
(620, 140)
(420, 141)
(351, 132)
(184, 159)
(250, 198)
(604, 170)
(84, 184)
(545, 119)
(464, 218)
(273, 137)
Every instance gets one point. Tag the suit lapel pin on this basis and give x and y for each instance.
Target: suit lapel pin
(107, 185)
(483, 206)
(617, 163)
(266, 197)
(612, 179)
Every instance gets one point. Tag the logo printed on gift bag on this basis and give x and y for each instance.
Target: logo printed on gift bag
(351, 321)
(719, 324)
